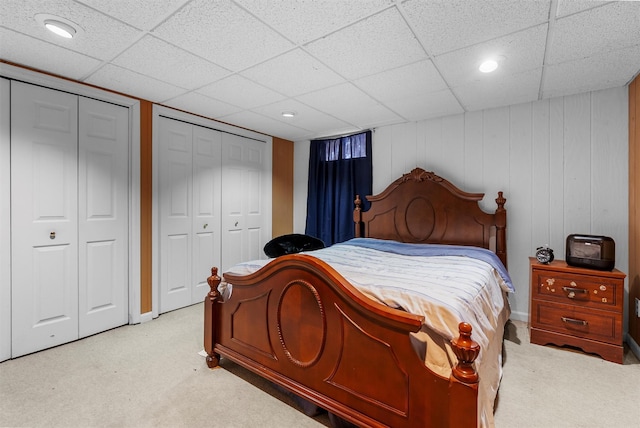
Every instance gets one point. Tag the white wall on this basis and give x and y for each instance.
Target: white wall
(562, 164)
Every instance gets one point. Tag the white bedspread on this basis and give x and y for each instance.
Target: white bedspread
(445, 290)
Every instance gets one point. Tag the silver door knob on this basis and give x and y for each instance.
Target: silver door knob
(52, 235)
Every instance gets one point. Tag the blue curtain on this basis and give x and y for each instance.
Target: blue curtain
(339, 169)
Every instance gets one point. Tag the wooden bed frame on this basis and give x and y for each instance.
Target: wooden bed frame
(301, 325)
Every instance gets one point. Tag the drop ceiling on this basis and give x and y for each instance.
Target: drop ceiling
(340, 65)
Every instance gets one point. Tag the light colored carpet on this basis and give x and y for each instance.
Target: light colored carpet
(151, 375)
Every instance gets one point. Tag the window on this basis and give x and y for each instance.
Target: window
(339, 169)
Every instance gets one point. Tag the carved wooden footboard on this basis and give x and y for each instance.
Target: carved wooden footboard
(300, 324)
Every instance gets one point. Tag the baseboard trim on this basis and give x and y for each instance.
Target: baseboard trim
(147, 316)
(520, 316)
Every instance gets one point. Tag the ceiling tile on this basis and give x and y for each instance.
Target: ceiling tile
(351, 105)
(610, 27)
(605, 70)
(305, 20)
(376, 44)
(223, 33)
(199, 104)
(99, 36)
(426, 106)
(255, 121)
(518, 52)
(131, 83)
(165, 62)
(21, 49)
(568, 7)
(415, 79)
(443, 26)
(499, 90)
(144, 15)
(306, 117)
(241, 92)
(293, 73)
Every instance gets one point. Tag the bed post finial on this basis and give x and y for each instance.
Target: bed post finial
(357, 216)
(210, 307)
(467, 350)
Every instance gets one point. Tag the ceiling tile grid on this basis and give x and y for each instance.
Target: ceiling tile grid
(341, 65)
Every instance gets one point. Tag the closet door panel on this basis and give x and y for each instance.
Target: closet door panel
(243, 202)
(206, 208)
(5, 217)
(175, 202)
(103, 216)
(44, 215)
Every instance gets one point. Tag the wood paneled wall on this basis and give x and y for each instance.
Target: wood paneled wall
(561, 162)
(634, 207)
(146, 205)
(282, 187)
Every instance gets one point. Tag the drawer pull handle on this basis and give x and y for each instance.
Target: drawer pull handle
(574, 321)
(571, 292)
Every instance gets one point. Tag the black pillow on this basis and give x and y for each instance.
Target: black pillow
(292, 244)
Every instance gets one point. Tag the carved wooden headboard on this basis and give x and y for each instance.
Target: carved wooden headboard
(422, 207)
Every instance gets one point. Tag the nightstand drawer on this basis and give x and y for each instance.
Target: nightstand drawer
(577, 289)
(592, 324)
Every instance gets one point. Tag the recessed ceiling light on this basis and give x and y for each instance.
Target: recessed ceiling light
(288, 114)
(57, 25)
(488, 66)
(60, 28)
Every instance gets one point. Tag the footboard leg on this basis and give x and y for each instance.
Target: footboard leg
(463, 383)
(467, 350)
(210, 308)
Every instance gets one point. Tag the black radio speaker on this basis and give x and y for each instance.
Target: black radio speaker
(591, 251)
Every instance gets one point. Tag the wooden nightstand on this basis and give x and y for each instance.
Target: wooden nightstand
(577, 307)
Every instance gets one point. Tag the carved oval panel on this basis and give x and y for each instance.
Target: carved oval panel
(301, 323)
(420, 218)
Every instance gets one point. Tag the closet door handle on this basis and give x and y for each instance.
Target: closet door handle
(52, 235)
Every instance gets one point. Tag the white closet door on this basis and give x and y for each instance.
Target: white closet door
(243, 190)
(44, 209)
(103, 216)
(175, 176)
(5, 217)
(206, 208)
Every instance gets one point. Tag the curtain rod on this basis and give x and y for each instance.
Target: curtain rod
(334, 137)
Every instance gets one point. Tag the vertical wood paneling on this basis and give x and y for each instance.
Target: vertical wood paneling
(634, 209)
(519, 204)
(403, 158)
(495, 155)
(146, 206)
(609, 176)
(282, 187)
(433, 143)
(423, 144)
(453, 147)
(473, 152)
(381, 149)
(577, 163)
(540, 175)
(301, 182)
(556, 175)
